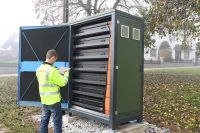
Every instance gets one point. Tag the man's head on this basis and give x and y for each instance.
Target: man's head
(51, 56)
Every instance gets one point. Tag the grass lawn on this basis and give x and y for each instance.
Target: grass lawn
(13, 118)
(177, 71)
(172, 98)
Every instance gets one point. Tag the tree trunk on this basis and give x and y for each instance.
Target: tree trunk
(88, 9)
(116, 4)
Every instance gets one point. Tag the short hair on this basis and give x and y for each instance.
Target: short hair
(51, 53)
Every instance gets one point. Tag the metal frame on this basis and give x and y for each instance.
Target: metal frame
(70, 65)
(19, 61)
(142, 72)
(32, 65)
(113, 77)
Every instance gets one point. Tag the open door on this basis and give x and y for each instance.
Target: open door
(34, 44)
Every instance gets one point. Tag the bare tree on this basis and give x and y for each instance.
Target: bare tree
(172, 17)
(51, 11)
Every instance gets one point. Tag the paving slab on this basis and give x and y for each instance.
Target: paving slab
(132, 127)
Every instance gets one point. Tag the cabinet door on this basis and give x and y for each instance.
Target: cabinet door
(129, 77)
(34, 44)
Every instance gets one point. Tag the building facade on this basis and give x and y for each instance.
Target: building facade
(169, 50)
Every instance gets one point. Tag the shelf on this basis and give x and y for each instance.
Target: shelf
(92, 29)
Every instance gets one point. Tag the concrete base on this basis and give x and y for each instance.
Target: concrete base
(132, 127)
(69, 119)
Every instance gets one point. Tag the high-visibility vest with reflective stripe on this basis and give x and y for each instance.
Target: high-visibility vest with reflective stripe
(50, 81)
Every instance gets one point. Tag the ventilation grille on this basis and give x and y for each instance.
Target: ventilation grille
(136, 34)
(124, 31)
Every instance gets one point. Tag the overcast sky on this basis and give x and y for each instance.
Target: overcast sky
(13, 14)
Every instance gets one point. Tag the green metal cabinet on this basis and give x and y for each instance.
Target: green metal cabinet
(126, 88)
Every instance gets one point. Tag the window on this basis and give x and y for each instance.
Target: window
(153, 52)
(124, 31)
(136, 34)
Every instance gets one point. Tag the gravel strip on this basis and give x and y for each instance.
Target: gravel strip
(83, 125)
(154, 129)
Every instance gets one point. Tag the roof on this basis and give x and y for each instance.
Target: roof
(104, 14)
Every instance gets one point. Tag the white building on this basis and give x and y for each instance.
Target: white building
(167, 49)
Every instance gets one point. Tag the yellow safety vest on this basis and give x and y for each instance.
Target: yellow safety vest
(50, 81)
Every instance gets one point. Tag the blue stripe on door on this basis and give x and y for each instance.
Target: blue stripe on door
(31, 66)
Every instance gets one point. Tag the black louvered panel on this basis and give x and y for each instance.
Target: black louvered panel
(92, 42)
(93, 29)
(90, 64)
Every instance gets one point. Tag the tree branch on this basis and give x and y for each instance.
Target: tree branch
(88, 7)
(116, 4)
(82, 4)
(101, 5)
(95, 6)
(123, 6)
(72, 3)
(78, 13)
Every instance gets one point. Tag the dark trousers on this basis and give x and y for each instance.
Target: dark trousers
(56, 111)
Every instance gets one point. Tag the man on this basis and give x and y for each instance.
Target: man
(50, 81)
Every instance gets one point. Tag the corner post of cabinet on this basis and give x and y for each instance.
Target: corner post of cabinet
(112, 118)
(142, 72)
(70, 65)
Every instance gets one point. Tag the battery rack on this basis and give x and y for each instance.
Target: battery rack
(90, 65)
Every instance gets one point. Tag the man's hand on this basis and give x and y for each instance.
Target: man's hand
(63, 70)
